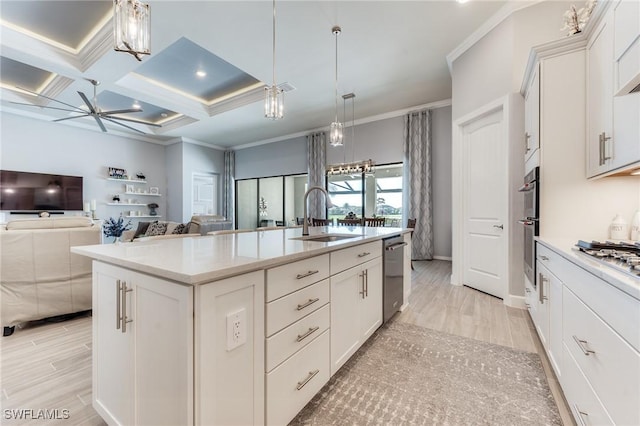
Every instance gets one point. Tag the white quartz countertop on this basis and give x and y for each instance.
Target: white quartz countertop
(565, 248)
(201, 259)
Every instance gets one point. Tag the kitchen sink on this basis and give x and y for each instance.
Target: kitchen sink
(325, 238)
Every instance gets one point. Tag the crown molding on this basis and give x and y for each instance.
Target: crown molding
(96, 47)
(365, 120)
(496, 19)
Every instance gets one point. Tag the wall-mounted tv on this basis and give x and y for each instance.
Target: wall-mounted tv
(24, 191)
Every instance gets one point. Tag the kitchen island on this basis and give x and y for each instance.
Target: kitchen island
(230, 329)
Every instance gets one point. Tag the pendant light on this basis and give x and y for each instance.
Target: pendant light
(273, 95)
(131, 27)
(336, 130)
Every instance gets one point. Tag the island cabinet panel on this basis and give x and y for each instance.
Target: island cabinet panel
(136, 318)
(348, 258)
(229, 377)
(356, 309)
(292, 307)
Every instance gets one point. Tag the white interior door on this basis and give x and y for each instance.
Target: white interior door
(484, 203)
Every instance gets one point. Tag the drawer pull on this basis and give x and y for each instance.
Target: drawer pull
(581, 344)
(307, 303)
(544, 257)
(311, 375)
(312, 330)
(366, 253)
(301, 276)
(580, 415)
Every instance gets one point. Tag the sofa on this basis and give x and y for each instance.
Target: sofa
(39, 276)
(198, 225)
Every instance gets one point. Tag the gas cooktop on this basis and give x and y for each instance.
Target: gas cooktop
(621, 256)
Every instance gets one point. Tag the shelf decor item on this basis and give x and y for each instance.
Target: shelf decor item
(154, 190)
(116, 173)
(576, 19)
(152, 209)
(129, 189)
(115, 227)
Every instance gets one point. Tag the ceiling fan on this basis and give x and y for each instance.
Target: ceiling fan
(93, 110)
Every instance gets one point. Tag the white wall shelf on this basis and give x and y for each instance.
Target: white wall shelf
(126, 204)
(142, 193)
(145, 215)
(127, 180)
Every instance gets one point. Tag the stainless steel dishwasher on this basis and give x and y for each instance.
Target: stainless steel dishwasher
(393, 270)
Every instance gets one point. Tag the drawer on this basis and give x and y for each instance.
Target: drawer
(285, 343)
(548, 257)
(612, 369)
(286, 279)
(293, 383)
(618, 309)
(289, 309)
(344, 259)
(583, 402)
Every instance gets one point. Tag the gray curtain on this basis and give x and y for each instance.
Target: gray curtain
(316, 162)
(228, 186)
(417, 202)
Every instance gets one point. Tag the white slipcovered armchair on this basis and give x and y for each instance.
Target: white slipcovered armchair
(39, 276)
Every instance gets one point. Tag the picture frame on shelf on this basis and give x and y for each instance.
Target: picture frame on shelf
(128, 188)
(154, 190)
(117, 173)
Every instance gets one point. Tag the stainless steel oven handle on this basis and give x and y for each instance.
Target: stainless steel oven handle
(527, 187)
(395, 246)
(527, 222)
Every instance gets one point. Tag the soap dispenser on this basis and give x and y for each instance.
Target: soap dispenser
(635, 226)
(619, 229)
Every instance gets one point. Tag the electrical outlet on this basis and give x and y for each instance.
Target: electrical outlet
(236, 329)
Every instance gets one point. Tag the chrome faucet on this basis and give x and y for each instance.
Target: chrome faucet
(305, 223)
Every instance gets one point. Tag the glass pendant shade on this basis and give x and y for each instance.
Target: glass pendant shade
(273, 102)
(131, 27)
(336, 133)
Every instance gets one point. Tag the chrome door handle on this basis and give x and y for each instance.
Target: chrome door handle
(307, 303)
(301, 276)
(118, 307)
(581, 344)
(311, 375)
(311, 330)
(499, 226)
(580, 414)
(123, 294)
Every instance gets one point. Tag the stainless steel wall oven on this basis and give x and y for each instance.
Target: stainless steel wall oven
(531, 191)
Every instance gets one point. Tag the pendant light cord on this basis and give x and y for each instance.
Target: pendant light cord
(274, 43)
(336, 79)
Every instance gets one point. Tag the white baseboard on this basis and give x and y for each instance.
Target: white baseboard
(515, 301)
(443, 258)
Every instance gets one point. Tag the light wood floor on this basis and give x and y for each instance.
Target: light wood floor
(47, 365)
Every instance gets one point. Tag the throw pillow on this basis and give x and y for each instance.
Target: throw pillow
(142, 229)
(156, 228)
(180, 229)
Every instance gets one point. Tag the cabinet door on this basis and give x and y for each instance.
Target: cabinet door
(532, 115)
(163, 336)
(555, 323)
(371, 304)
(347, 289)
(542, 314)
(600, 100)
(113, 376)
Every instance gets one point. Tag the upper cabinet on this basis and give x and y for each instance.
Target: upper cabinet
(613, 114)
(532, 121)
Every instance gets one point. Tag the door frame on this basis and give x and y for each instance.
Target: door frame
(459, 190)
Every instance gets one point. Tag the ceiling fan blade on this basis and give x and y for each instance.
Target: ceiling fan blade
(47, 107)
(104, 129)
(120, 111)
(123, 125)
(69, 118)
(51, 99)
(134, 121)
(86, 101)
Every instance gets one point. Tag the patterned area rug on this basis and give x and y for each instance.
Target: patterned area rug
(410, 375)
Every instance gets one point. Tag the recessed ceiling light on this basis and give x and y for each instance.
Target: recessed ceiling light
(201, 73)
(136, 105)
(636, 172)
(462, 1)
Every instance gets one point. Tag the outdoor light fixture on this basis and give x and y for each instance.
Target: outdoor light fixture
(274, 95)
(131, 27)
(336, 130)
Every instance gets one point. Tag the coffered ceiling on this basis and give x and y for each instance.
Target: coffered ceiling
(210, 60)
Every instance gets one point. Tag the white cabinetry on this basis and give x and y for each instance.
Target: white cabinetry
(597, 348)
(548, 302)
(356, 300)
(135, 319)
(613, 60)
(532, 120)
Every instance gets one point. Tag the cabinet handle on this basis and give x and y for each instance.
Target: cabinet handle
(527, 136)
(602, 141)
(118, 310)
(545, 258)
(366, 283)
(543, 279)
(301, 276)
(123, 294)
(527, 305)
(580, 414)
(366, 253)
(307, 303)
(581, 344)
(311, 375)
(312, 330)
(362, 293)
